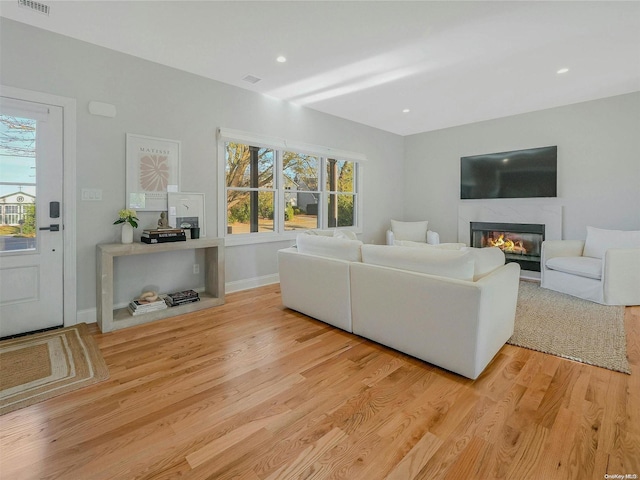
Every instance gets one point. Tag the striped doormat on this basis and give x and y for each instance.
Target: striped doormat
(41, 366)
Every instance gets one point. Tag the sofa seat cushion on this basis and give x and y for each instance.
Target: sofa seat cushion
(600, 240)
(456, 264)
(588, 267)
(332, 247)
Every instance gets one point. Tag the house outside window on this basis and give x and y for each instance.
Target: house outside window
(16, 209)
(273, 189)
(301, 174)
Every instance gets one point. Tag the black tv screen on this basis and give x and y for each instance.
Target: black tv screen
(519, 174)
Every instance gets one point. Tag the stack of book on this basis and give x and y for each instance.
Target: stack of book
(181, 298)
(139, 307)
(162, 235)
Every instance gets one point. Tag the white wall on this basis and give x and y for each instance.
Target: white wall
(598, 164)
(158, 101)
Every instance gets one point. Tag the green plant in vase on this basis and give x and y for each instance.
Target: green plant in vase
(129, 216)
(129, 221)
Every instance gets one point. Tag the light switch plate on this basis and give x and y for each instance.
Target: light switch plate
(91, 194)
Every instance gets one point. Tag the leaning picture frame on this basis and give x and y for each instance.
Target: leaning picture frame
(186, 210)
(152, 168)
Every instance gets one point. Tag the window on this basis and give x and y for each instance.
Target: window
(273, 189)
(249, 173)
(302, 190)
(12, 214)
(340, 187)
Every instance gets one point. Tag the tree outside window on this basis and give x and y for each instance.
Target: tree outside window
(250, 188)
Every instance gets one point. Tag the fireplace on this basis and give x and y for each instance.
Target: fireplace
(520, 242)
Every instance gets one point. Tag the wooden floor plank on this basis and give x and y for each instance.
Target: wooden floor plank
(251, 391)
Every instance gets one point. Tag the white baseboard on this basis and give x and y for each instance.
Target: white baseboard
(90, 315)
(529, 275)
(249, 283)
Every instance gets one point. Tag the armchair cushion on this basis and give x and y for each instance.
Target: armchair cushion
(413, 231)
(583, 266)
(433, 238)
(599, 241)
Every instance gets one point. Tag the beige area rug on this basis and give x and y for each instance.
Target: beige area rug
(40, 366)
(570, 327)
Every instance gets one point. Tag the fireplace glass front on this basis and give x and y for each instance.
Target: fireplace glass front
(520, 242)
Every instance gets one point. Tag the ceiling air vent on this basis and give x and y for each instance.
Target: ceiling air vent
(251, 79)
(37, 6)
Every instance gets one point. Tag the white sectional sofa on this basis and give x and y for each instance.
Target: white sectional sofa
(452, 307)
(315, 277)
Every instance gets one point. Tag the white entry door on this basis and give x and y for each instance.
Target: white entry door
(31, 223)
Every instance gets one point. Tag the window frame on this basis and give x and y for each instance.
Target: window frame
(279, 234)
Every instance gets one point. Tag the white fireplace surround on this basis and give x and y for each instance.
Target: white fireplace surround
(509, 211)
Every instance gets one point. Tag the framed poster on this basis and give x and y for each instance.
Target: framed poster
(186, 210)
(153, 166)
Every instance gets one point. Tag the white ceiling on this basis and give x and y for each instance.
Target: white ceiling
(449, 62)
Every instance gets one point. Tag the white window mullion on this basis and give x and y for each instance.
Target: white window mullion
(222, 190)
(279, 205)
(322, 201)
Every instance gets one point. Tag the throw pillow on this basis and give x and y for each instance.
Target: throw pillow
(331, 247)
(324, 233)
(346, 234)
(412, 231)
(600, 240)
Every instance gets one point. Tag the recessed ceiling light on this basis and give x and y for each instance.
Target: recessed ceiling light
(281, 59)
(562, 70)
(406, 110)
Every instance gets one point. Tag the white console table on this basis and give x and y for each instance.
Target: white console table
(110, 319)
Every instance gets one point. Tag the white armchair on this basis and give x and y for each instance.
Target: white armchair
(411, 231)
(605, 268)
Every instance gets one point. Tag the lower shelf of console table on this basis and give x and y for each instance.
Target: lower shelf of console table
(213, 295)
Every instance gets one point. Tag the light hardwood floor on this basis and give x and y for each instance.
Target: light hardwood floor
(251, 390)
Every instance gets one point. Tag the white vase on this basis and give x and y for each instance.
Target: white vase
(127, 233)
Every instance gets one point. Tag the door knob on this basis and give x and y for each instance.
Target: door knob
(55, 227)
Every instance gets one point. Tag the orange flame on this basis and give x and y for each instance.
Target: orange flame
(507, 245)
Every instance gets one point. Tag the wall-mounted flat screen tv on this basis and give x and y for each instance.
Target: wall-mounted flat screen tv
(519, 174)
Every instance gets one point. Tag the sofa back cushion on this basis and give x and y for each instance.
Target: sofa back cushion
(413, 231)
(332, 247)
(600, 240)
(434, 261)
(334, 232)
(486, 260)
(444, 246)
